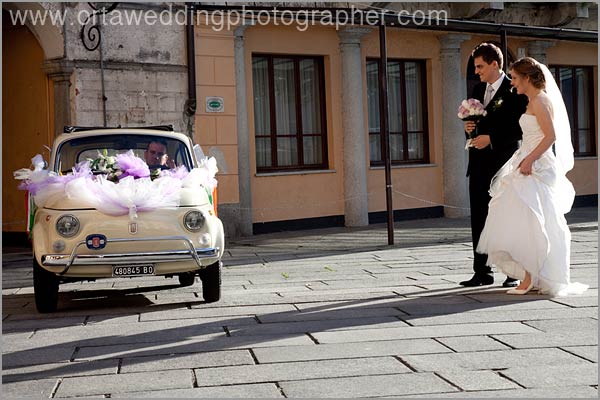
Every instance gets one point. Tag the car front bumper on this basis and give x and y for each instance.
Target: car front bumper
(129, 258)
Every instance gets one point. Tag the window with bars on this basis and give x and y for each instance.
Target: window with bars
(407, 120)
(577, 87)
(289, 112)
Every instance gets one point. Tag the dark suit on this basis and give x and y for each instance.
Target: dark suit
(502, 125)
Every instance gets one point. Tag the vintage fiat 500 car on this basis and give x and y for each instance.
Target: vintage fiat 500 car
(103, 210)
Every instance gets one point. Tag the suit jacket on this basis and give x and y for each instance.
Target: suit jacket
(502, 125)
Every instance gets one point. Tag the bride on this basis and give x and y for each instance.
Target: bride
(526, 234)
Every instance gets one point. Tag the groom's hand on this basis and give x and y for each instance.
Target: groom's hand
(481, 142)
(469, 126)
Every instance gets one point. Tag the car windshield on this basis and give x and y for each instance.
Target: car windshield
(157, 151)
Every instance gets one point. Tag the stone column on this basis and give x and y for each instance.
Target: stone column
(60, 72)
(453, 139)
(356, 204)
(243, 140)
(537, 49)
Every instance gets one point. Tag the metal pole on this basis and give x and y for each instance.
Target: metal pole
(102, 74)
(504, 45)
(385, 134)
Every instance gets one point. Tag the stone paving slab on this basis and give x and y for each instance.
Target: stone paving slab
(36, 389)
(318, 326)
(553, 339)
(555, 375)
(123, 383)
(59, 370)
(11, 326)
(367, 335)
(348, 350)
(186, 361)
(472, 343)
(363, 386)
(250, 391)
(569, 392)
(201, 344)
(16, 357)
(299, 370)
(492, 360)
(502, 315)
(478, 380)
(307, 315)
(587, 352)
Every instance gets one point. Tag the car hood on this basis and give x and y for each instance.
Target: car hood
(189, 197)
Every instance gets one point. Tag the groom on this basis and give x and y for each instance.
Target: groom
(498, 138)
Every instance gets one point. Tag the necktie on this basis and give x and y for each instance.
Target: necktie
(489, 93)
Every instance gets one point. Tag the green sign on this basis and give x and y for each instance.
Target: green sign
(214, 104)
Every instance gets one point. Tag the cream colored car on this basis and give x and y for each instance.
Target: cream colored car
(92, 227)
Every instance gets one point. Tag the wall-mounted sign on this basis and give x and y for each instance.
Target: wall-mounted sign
(215, 104)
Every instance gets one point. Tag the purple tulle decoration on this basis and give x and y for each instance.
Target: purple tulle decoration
(132, 165)
(178, 173)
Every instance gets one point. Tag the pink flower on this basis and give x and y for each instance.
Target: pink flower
(471, 109)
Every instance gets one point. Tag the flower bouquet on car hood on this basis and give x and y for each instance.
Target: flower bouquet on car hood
(116, 185)
(471, 110)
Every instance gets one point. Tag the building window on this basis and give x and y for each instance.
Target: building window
(289, 113)
(407, 99)
(576, 85)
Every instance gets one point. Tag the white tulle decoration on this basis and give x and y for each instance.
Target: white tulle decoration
(128, 195)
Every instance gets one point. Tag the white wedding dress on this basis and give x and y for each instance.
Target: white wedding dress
(526, 229)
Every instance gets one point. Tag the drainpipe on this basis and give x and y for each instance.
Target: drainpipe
(190, 104)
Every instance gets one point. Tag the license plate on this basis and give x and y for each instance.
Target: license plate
(133, 270)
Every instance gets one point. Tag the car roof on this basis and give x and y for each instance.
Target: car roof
(122, 131)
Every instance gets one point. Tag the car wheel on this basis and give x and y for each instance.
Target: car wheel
(45, 288)
(211, 282)
(186, 279)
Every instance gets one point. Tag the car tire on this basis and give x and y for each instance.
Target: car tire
(186, 279)
(211, 282)
(45, 289)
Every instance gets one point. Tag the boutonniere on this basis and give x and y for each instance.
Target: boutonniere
(497, 104)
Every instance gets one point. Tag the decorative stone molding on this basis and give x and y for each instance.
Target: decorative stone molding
(353, 34)
(60, 71)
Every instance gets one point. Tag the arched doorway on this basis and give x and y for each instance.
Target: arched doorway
(27, 117)
(472, 78)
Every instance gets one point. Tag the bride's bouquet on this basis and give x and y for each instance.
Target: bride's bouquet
(471, 110)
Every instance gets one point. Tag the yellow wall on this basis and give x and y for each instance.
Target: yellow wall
(414, 186)
(296, 195)
(26, 121)
(299, 194)
(217, 132)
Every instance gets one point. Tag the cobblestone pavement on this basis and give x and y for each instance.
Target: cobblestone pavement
(322, 313)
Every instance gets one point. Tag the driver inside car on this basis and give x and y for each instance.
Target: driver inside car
(156, 155)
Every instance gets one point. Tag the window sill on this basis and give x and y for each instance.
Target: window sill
(306, 172)
(586, 158)
(405, 166)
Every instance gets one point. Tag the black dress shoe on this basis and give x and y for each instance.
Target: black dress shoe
(478, 280)
(510, 282)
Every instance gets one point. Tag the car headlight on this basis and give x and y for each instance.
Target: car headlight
(193, 221)
(67, 225)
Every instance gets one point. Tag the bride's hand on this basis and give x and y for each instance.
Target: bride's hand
(526, 166)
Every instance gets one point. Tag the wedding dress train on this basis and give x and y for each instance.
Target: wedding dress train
(526, 229)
